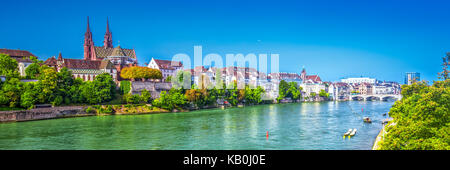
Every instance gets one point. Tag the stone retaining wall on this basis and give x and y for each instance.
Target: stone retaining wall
(42, 113)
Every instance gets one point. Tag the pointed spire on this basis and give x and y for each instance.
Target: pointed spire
(88, 43)
(107, 42)
(60, 56)
(88, 29)
(107, 25)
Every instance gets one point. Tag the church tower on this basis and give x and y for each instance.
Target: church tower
(303, 74)
(88, 44)
(107, 43)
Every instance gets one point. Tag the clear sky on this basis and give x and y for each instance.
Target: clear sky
(335, 39)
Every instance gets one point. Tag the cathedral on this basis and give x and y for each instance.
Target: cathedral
(97, 59)
(120, 57)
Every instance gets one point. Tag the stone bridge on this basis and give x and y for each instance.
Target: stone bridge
(371, 97)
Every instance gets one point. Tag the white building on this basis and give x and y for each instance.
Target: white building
(21, 56)
(310, 88)
(383, 90)
(167, 67)
(359, 80)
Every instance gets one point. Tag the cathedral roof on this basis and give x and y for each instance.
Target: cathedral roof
(51, 61)
(102, 52)
(118, 52)
(86, 64)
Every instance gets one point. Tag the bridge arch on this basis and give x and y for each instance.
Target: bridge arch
(357, 98)
(373, 98)
(390, 97)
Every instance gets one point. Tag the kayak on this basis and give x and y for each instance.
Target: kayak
(353, 132)
(348, 132)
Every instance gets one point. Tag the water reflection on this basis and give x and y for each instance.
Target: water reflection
(290, 126)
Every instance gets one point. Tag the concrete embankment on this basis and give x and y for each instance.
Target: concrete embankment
(378, 139)
(42, 113)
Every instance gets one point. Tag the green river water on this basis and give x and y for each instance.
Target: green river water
(290, 126)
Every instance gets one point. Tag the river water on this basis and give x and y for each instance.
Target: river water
(310, 126)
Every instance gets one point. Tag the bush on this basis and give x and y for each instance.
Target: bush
(145, 96)
(131, 99)
(89, 109)
(125, 87)
(57, 101)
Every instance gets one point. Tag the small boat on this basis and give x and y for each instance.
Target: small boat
(353, 132)
(367, 120)
(384, 114)
(348, 132)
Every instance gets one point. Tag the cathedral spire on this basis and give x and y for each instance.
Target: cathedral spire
(88, 28)
(88, 43)
(107, 43)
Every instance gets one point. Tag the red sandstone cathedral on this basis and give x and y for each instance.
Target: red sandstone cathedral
(97, 59)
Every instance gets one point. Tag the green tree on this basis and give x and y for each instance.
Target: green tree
(445, 62)
(232, 93)
(169, 79)
(12, 90)
(132, 98)
(324, 94)
(182, 80)
(283, 87)
(33, 71)
(28, 97)
(47, 85)
(294, 91)
(102, 89)
(421, 118)
(145, 96)
(65, 81)
(7, 64)
(125, 87)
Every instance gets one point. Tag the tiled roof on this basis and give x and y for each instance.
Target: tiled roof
(102, 52)
(19, 55)
(51, 61)
(86, 64)
(166, 64)
(314, 78)
(284, 76)
(16, 53)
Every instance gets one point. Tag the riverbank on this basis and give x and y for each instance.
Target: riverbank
(43, 113)
(95, 110)
(379, 139)
(380, 136)
(90, 110)
(295, 126)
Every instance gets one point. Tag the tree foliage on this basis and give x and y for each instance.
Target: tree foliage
(175, 99)
(182, 80)
(323, 93)
(102, 89)
(138, 72)
(291, 90)
(125, 87)
(7, 64)
(421, 118)
(445, 62)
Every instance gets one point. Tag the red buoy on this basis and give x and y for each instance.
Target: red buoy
(267, 135)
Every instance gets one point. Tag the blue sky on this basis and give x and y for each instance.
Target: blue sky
(335, 39)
